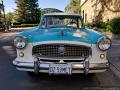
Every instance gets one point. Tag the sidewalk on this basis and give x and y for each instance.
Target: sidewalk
(115, 65)
(114, 57)
(8, 36)
(115, 42)
(14, 31)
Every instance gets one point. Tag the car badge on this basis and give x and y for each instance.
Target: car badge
(61, 50)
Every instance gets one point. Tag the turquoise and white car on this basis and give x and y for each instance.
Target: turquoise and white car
(61, 45)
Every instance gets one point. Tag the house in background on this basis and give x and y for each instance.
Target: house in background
(99, 10)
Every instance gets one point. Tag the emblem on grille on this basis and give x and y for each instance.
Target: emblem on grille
(61, 50)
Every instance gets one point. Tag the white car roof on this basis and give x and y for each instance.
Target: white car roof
(62, 14)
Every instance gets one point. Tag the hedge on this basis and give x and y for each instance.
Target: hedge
(115, 25)
(24, 25)
(87, 24)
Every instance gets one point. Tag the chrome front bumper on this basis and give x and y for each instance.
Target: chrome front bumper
(83, 67)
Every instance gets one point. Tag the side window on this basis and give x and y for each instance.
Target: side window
(49, 21)
(43, 25)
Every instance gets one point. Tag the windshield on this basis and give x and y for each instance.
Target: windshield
(59, 21)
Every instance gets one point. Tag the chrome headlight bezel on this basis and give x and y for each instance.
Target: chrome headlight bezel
(104, 43)
(20, 42)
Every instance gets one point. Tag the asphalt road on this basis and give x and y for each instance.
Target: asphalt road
(11, 79)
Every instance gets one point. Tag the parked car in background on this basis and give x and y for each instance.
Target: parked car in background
(61, 45)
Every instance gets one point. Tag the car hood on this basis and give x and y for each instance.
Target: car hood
(65, 34)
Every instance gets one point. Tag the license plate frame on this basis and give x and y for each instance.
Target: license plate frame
(58, 69)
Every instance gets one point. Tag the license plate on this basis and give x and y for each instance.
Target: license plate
(59, 69)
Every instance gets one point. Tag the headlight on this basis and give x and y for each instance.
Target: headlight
(20, 42)
(104, 44)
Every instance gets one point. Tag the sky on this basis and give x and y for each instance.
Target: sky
(10, 5)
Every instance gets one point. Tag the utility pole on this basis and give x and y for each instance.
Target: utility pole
(3, 9)
(0, 10)
(80, 7)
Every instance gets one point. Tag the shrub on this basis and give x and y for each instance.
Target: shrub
(2, 27)
(115, 25)
(87, 24)
(16, 23)
(100, 25)
(108, 27)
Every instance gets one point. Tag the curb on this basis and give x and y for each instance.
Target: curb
(114, 65)
(115, 70)
(116, 43)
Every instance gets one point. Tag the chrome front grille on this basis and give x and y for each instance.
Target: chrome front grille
(61, 51)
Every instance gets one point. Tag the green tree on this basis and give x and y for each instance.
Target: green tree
(27, 11)
(73, 7)
(9, 16)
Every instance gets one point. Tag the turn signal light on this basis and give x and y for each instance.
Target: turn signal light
(102, 56)
(21, 54)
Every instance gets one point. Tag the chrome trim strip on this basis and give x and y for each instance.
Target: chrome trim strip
(63, 42)
(44, 67)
